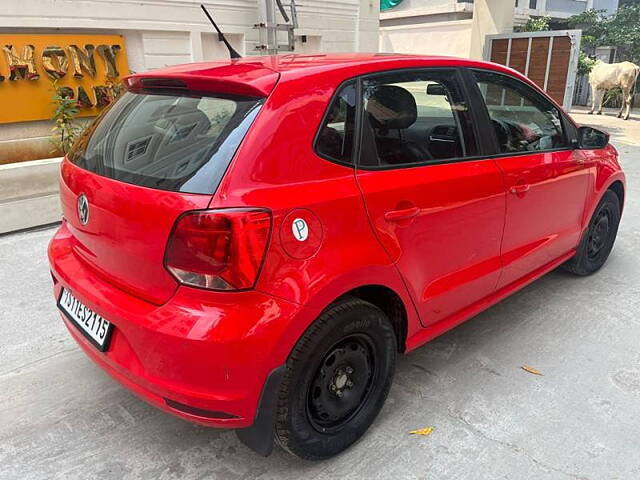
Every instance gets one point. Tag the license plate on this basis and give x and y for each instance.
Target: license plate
(95, 328)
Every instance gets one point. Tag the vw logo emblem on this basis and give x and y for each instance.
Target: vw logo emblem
(83, 209)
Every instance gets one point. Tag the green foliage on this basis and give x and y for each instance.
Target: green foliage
(65, 130)
(624, 32)
(585, 64)
(621, 30)
(539, 24)
(592, 23)
(613, 98)
(116, 87)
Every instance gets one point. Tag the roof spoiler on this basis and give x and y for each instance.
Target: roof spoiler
(241, 79)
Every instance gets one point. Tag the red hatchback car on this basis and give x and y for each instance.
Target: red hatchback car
(249, 244)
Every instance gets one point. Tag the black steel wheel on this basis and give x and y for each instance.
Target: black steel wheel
(597, 242)
(341, 384)
(337, 379)
(599, 232)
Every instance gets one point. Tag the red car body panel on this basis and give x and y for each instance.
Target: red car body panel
(210, 350)
(472, 242)
(122, 214)
(465, 202)
(258, 176)
(605, 171)
(537, 230)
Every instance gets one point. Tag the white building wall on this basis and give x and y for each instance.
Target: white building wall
(167, 32)
(158, 33)
(433, 38)
(368, 26)
(427, 27)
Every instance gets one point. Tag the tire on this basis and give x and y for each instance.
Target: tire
(597, 241)
(336, 381)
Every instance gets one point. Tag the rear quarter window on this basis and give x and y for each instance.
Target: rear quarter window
(175, 142)
(336, 135)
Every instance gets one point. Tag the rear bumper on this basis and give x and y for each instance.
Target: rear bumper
(203, 356)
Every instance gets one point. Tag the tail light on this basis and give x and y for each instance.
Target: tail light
(219, 249)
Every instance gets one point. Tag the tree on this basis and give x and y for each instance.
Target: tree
(624, 32)
(539, 24)
(620, 30)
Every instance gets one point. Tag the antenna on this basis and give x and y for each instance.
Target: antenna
(232, 53)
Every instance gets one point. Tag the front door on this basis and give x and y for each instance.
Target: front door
(546, 179)
(438, 213)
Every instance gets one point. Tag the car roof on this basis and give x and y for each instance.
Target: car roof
(331, 61)
(258, 75)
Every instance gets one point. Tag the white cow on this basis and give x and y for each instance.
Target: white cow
(605, 76)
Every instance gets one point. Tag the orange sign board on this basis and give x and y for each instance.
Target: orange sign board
(86, 66)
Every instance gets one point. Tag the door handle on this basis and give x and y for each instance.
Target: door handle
(402, 214)
(518, 189)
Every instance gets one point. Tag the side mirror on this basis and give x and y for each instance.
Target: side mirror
(436, 89)
(591, 138)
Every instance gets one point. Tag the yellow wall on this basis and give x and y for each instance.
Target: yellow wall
(30, 99)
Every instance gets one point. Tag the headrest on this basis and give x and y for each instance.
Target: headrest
(180, 113)
(391, 107)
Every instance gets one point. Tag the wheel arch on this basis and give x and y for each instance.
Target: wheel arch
(618, 188)
(381, 285)
(606, 179)
(387, 300)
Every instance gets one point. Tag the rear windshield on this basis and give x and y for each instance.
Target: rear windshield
(182, 143)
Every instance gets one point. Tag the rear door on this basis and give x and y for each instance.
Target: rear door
(435, 204)
(149, 158)
(546, 178)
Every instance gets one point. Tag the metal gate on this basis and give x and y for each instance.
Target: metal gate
(549, 58)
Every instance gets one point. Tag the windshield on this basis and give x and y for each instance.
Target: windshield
(176, 142)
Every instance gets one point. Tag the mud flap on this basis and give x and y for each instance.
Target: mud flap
(259, 436)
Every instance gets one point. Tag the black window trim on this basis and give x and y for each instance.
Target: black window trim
(484, 119)
(466, 98)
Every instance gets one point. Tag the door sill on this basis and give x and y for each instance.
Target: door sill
(437, 329)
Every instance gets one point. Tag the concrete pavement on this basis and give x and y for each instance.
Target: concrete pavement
(61, 417)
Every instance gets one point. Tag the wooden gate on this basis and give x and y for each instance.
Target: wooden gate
(549, 58)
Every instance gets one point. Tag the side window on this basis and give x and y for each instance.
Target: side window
(524, 121)
(415, 117)
(335, 139)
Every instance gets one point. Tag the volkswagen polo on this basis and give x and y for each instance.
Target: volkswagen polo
(249, 244)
